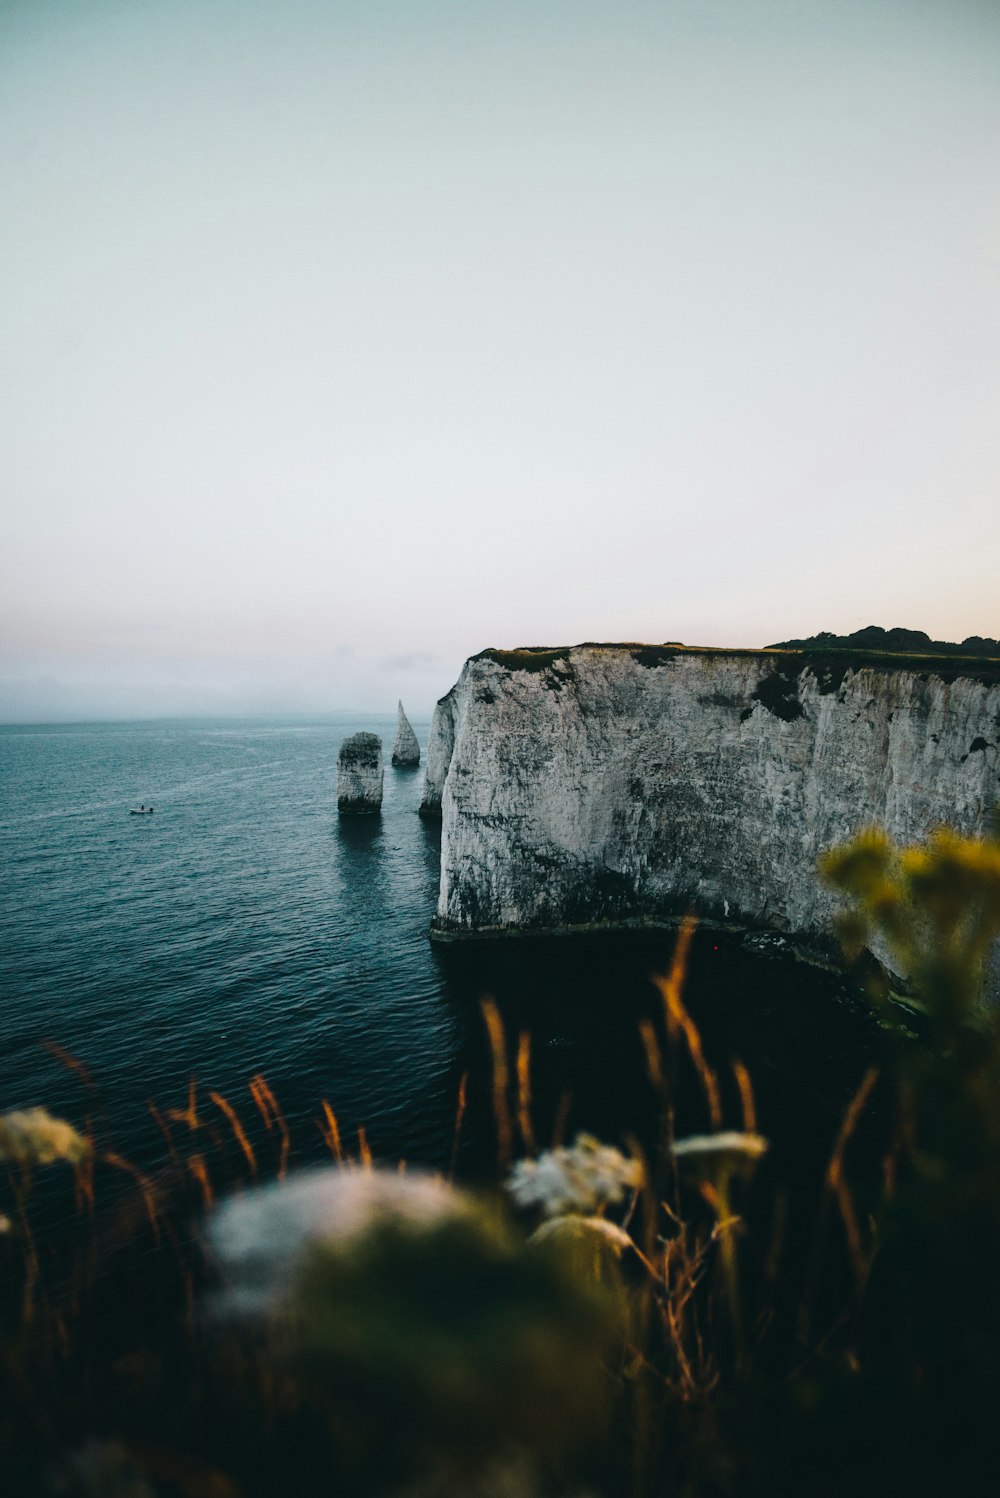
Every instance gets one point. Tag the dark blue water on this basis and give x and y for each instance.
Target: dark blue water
(239, 929)
(244, 929)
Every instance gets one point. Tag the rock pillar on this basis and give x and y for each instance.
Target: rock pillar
(405, 750)
(359, 775)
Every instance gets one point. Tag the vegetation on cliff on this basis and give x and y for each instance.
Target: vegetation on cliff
(827, 656)
(894, 641)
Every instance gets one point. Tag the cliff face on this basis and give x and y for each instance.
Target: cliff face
(628, 784)
(440, 747)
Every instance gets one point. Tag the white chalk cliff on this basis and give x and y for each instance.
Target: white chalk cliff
(623, 785)
(405, 749)
(359, 775)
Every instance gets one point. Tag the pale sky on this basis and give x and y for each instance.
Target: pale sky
(342, 338)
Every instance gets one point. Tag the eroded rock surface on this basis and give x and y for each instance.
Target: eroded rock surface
(359, 775)
(440, 747)
(624, 785)
(405, 749)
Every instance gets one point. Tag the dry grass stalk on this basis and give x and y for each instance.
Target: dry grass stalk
(684, 1265)
(188, 1115)
(239, 1133)
(196, 1165)
(679, 1022)
(836, 1182)
(654, 1060)
(267, 1106)
(501, 1110)
(70, 1062)
(524, 1091)
(746, 1097)
(331, 1133)
(561, 1119)
(164, 1128)
(143, 1182)
(463, 1087)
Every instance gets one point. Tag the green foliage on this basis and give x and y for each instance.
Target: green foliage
(936, 908)
(456, 1335)
(932, 1313)
(893, 641)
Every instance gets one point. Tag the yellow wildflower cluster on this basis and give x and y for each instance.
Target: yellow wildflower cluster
(34, 1137)
(936, 907)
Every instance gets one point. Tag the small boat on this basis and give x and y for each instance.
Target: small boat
(140, 811)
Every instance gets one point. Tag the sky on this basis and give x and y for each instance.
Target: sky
(340, 339)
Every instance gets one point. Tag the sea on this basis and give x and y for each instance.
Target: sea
(245, 931)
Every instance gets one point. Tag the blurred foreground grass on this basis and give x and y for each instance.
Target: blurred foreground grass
(633, 1321)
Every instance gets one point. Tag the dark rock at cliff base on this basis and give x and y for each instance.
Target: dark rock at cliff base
(359, 775)
(405, 750)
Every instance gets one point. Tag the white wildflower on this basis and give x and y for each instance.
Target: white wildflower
(574, 1224)
(730, 1143)
(719, 1156)
(582, 1179)
(258, 1237)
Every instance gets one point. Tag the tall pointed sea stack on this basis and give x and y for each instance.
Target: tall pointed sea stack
(359, 775)
(406, 750)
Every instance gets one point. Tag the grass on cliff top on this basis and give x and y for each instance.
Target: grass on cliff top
(825, 662)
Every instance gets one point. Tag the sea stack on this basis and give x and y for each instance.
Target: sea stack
(406, 750)
(359, 775)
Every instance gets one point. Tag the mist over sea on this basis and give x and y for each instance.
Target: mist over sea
(244, 929)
